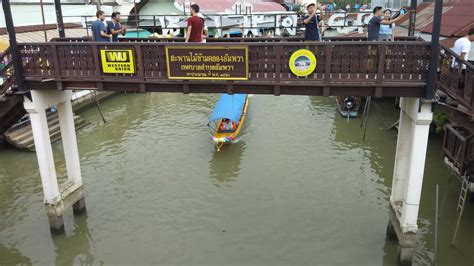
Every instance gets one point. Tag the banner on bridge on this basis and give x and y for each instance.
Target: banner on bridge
(207, 63)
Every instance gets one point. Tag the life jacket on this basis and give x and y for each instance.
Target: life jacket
(234, 125)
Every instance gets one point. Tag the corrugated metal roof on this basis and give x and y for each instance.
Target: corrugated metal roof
(457, 18)
(38, 36)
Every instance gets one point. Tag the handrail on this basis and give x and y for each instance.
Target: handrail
(7, 72)
(253, 42)
(458, 82)
(234, 39)
(361, 67)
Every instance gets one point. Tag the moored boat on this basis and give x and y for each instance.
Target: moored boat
(348, 106)
(227, 119)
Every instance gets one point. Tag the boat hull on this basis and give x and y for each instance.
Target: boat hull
(222, 138)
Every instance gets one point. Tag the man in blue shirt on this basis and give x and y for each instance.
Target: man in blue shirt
(99, 30)
(311, 22)
(114, 27)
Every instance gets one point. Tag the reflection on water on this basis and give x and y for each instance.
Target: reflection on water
(74, 247)
(299, 188)
(12, 256)
(225, 164)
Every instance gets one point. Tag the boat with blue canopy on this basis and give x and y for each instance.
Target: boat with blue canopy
(226, 121)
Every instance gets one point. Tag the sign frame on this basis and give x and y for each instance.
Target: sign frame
(302, 53)
(207, 47)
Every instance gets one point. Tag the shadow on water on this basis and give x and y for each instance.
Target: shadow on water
(74, 247)
(12, 256)
(224, 165)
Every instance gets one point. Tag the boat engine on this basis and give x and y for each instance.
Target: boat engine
(348, 103)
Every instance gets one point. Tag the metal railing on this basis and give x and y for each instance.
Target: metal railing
(269, 21)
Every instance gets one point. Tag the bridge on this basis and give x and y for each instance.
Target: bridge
(409, 68)
(345, 66)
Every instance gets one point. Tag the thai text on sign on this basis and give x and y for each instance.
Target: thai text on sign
(208, 63)
(117, 61)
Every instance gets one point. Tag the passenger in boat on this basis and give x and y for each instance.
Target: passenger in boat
(226, 124)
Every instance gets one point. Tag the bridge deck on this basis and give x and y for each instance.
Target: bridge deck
(343, 67)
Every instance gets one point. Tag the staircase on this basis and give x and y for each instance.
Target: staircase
(21, 136)
(11, 103)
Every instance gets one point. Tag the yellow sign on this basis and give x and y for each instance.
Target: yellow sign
(207, 62)
(302, 62)
(117, 61)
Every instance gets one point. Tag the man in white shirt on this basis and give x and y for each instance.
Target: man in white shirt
(462, 47)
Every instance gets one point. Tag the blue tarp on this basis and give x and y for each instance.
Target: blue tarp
(229, 106)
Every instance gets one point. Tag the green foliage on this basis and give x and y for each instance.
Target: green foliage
(440, 119)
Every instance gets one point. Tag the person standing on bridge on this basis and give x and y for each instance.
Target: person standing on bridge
(99, 30)
(114, 27)
(462, 47)
(195, 26)
(373, 33)
(387, 32)
(311, 22)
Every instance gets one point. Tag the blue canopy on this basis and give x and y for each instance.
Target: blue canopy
(229, 106)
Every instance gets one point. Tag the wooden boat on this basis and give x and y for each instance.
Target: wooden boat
(227, 119)
(348, 106)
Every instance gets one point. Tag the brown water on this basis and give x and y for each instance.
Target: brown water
(299, 188)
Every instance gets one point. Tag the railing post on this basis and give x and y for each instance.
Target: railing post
(380, 70)
(56, 66)
(59, 18)
(141, 72)
(96, 56)
(87, 27)
(16, 56)
(412, 21)
(433, 66)
(327, 68)
(278, 54)
(154, 23)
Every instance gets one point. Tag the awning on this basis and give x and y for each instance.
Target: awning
(230, 107)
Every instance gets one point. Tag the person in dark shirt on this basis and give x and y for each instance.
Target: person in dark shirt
(114, 27)
(195, 26)
(311, 22)
(99, 30)
(374, 24)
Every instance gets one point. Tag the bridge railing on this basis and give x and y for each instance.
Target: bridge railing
(235, 39)
(456, 81)
(458, 147)
(6, 71)
(362, 68)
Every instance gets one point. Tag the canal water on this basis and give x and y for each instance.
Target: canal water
(299, 188)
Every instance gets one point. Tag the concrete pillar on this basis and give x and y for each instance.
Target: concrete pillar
(412, 143)
(68, 135)
(44, 152)
(56, 197)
